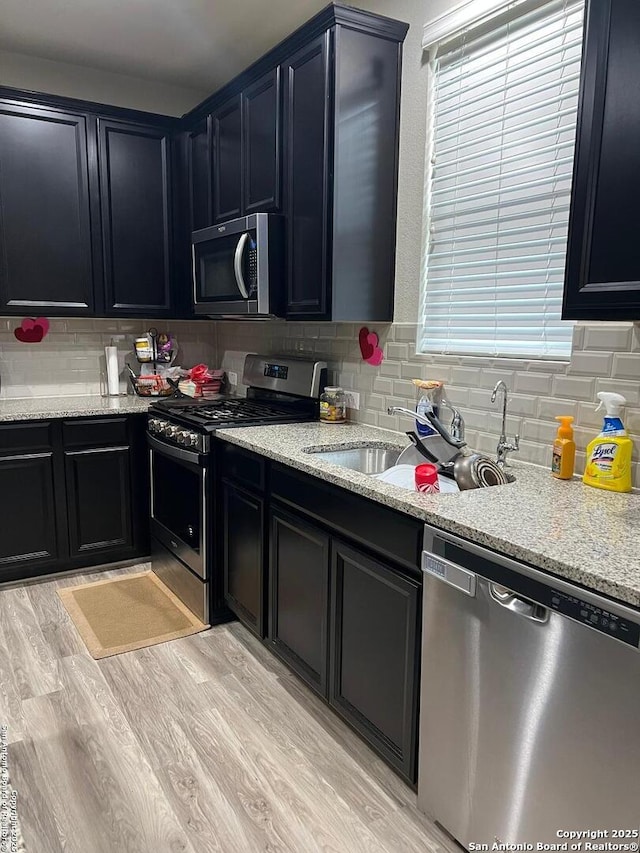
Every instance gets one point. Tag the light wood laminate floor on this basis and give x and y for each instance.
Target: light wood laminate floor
(203, 744)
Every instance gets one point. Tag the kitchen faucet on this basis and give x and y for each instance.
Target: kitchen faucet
(442, 445)
(504, 446)
(457, 422)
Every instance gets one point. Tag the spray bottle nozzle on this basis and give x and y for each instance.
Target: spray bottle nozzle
(612, 402)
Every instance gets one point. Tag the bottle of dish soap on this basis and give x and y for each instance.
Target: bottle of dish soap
(609, 454)
(564, 449)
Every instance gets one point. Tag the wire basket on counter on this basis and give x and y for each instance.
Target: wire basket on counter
(152, 386)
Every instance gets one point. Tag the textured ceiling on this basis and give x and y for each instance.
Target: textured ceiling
(193, 43)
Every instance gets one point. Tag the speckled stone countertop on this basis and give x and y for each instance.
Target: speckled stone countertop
(37, 408)
(579, 533)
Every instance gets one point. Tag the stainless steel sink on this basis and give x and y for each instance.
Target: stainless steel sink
(367, 460)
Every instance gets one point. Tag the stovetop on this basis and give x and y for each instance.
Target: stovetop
(231, 411)
(189, 422)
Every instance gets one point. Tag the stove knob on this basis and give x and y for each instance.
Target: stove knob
(183, 436)
(163, 427)
(154, 423)
(172, 431)
(194, 439)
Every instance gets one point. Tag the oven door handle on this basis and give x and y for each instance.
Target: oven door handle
(237, 264)
(173, 452)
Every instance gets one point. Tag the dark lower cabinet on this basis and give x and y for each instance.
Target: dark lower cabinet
(135, 194)
(244, 555)
(29, 511)
(99, 500)
(374, 653)
(298, 596)
(73, 494)
(46, 257)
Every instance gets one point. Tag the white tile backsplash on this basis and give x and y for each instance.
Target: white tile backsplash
(606, 357)
(69, 361)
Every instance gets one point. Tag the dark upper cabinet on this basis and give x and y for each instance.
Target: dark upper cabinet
(261, 145)
(246, 151)
(135, 194)
(602, 280)
(226, 125)
(341, 132)
(306, 118)
(243, 555)
(199, 175)
(374, 655)
(298, 596)
(46, 257)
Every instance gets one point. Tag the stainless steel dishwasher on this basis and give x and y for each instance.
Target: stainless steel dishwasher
(530, 702)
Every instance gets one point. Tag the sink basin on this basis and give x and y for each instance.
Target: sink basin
(366, 460)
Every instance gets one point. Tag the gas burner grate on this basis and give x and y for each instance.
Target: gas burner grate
(234, 411)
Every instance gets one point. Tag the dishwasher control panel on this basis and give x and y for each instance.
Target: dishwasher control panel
(595, 617)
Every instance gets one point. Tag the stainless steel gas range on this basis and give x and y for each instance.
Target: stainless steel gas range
(180, 436)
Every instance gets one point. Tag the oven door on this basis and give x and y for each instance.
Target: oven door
(179, 503)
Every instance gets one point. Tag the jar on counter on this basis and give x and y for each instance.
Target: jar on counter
(333, 406)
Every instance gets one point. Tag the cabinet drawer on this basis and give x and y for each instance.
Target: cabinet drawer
(96, 432)
(24, 437)
(383, 530)
(237, 464)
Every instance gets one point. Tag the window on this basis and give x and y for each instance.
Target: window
(503, 101)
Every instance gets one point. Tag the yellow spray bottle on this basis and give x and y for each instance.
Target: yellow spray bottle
(609, 454)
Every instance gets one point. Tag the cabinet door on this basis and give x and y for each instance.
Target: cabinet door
(298, 587)
(199, 175)
(306, 121)
(99, 501)
(45, 233)
(261, 144)
(136, 205)
(243, 556)
(374, 674)
(28, 509)
(226, 126)
(602, 280)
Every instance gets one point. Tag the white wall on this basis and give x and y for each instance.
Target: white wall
(91, 84)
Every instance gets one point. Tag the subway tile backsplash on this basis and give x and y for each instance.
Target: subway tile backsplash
(70, 359)
(606, 357)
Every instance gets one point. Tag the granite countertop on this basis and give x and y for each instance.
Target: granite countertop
(37, 408)
(579, 533)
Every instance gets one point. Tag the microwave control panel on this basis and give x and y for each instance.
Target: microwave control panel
(253, 269)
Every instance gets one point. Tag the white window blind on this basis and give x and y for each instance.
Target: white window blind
(498, 187)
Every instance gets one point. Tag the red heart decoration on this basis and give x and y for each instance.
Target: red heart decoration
(366, 347)
(32, 331)
(44, 325)
(29, 336)
(376, 358)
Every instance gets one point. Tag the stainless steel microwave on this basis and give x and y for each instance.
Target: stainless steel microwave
(238, 267)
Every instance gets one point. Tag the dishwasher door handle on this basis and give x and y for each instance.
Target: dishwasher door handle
(520, 606)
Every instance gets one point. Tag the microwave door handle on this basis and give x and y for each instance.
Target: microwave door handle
(237, 265)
